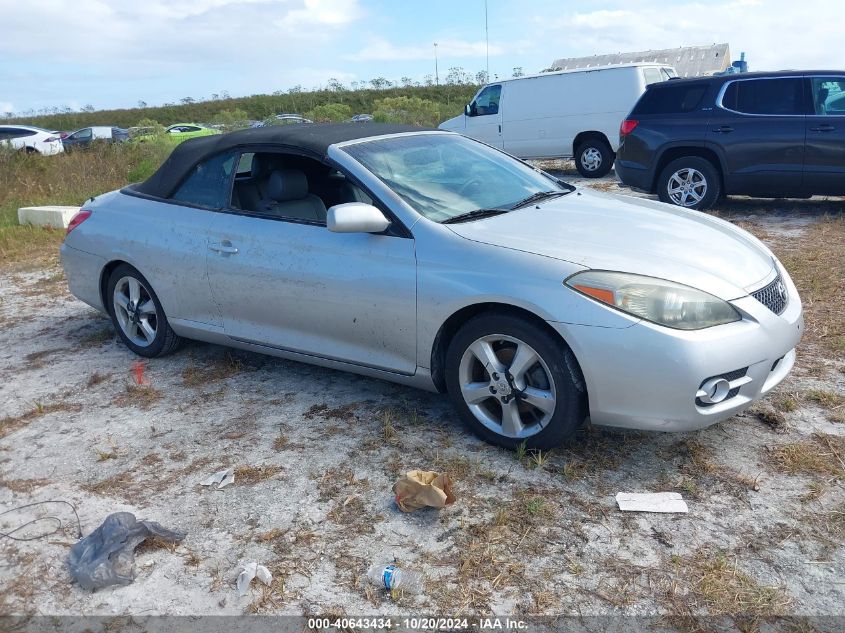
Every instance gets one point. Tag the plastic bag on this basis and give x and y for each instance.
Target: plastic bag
(107, 555)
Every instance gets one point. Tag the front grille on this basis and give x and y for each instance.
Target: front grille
(773, 295)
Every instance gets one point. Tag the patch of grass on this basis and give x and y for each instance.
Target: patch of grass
(251, 475)
(34, 360)
(344, 412)
(821, 454)
(717, 583)
(221, 368)
(772, 418)
(823, 398)
(816, 262)
(23, 485)
(10, 424)
(95, 379)
(97, 337)
(141, 396)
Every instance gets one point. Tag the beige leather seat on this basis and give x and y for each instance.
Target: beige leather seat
(288, 197)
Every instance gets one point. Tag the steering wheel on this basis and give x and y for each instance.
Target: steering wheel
(473, 182)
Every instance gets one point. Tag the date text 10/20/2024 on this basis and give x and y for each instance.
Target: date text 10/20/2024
(416, 624)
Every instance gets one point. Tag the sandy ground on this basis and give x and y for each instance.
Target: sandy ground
(316, 452)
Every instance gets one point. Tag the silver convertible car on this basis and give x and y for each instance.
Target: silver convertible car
(433, 260)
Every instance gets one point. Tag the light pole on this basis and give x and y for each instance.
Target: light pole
(487, 39)
(436, 72)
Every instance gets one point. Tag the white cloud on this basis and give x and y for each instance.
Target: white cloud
(382, 50)
(5, 106)
(776, 34)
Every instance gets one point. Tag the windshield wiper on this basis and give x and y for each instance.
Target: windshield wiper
(474, 215)
(536, 197)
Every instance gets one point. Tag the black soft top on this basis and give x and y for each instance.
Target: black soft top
(310, 139)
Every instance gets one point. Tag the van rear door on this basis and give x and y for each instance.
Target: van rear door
(484, 121)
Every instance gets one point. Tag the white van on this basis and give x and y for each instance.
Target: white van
(565, 114)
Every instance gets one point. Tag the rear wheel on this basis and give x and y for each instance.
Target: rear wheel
(690, 182)
(513, 382)
(593, 158)
(137, 314)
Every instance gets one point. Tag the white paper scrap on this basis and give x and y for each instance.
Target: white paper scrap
(651, 502)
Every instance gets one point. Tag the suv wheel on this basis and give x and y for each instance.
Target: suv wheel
(690, 182)
(593, 158)
(513, 382)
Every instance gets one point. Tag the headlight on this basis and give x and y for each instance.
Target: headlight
(657, 300)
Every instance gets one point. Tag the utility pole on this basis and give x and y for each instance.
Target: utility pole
(436, 72)
(487, 38)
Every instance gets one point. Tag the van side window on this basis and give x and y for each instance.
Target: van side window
(487, 102)
(652, 75)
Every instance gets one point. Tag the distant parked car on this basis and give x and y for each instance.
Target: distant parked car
(32, 140)
(87, 135)
(291, 118)
(178, 131)
(361, 118)
(769, 135)
(565, 114)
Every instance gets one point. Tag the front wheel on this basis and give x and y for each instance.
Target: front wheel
(137, 314)
(690, 182)
(593, 158)
(514, 382)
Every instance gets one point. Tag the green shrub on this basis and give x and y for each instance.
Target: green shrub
(409, 110)
(330, 112)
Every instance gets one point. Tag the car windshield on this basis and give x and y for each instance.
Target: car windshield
(443, 176)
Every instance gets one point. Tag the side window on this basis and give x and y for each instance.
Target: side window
(671, 98)
(209, 182)
(82, 134)
(488, 101)
(829, 96)
(652, 75)
(13, 133)
(765, 96)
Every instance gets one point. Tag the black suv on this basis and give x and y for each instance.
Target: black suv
(770, 135)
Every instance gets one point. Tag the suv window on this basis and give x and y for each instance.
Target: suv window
(670, 98)
(829, 95)
(209, 183)
(487, 102)
(82, 134)
(782, 96)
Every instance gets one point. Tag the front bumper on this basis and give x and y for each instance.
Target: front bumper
(647, 376)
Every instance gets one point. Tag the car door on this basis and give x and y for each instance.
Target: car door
(484, 119)
(80, 138)
(824, 158)
(296, 286)
(758, 127)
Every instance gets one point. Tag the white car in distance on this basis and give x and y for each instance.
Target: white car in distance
(30, 139)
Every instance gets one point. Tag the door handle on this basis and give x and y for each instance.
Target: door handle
(826, 127)
(723, 129)
(224, 247)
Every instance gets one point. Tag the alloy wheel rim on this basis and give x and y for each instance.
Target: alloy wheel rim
(135, 311)
(507, 386)
(687, 187)
(591, 159)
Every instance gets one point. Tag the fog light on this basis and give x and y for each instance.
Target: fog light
(715, 390)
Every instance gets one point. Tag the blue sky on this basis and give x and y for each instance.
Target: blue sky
(113, 53)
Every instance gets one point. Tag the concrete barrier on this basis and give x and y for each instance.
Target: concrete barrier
(55, 216)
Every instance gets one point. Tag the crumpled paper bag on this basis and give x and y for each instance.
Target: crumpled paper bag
(250, 571)
(423, 488)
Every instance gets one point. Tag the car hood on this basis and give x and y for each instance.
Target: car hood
(634, 235)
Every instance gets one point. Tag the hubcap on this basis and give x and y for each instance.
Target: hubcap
(591, 159)
(135, 311)
(687, 187)
(507, 386)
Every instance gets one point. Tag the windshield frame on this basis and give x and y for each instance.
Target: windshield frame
(339, 153)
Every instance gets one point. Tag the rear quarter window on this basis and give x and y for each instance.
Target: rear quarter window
(784, 96)
(209, 183)
(670, 98)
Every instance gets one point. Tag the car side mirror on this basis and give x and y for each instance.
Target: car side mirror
(356, 217)
(467, 110)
